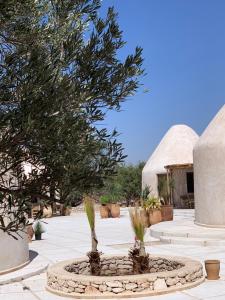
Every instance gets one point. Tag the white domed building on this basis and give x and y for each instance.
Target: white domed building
(209, 168)
(173, 158)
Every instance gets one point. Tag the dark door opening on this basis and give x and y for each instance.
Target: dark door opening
(190, 182)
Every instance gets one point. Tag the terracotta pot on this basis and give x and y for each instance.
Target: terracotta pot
(212, 268)
(66, 211)
(167, 212)
(145, 217)
(155, 216)
(30, 233)
(115, 210)
(109, 209)
(47, 211)
(104, 211)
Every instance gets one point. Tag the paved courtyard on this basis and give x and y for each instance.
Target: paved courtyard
(69, 237)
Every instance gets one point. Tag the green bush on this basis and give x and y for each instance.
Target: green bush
(110, 198)
(105, 199)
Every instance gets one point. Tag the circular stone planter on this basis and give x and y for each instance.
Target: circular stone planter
(78, 283)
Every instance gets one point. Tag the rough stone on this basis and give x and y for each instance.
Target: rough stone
(72, 284)
(182, 281)
(114, 284)
(65, 290)
(145, 285)
(153, 270)
(78, 290)
(112, 267)
(160, 284)
(91, 290)
(102, 288)
(70, 290)
(95, 285)
(172, 281)
(131, 286)
(117, 290)
(81, 286)
(178, 284)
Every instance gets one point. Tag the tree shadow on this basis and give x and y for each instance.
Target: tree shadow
(32, 255)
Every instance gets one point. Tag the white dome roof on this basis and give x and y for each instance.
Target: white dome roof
(215, 132)
(176, 147)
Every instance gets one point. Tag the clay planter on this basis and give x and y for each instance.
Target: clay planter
(115, 210)
(30, 233)
(145, 217)
(66, 211)
(212, 268)
(167, 212)
(104, 211)
(47, 211)
(155, 216)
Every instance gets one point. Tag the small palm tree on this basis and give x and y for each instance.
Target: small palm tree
(94, 255)
(137, 253)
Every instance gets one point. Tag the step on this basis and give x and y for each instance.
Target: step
(191, 241)
(182, 232)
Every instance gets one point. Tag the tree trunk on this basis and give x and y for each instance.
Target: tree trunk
(142, 249)
(94, 256)
(94, 241)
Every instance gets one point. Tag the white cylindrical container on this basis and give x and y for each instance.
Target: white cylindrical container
(209, 174)
(14, 253)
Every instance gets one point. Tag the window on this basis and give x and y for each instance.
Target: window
(190, 182)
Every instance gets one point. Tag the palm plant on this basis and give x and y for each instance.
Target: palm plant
(137, 253)
(152, 203)
(94, 255)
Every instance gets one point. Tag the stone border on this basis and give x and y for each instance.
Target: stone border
(64, 283)
(209, 226)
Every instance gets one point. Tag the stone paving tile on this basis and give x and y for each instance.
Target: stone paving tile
(13, 288)
(207, 289)
(216, 298)
(35, 283)
(69, 237)
(22, 296)
(174, 296)
(44, 295)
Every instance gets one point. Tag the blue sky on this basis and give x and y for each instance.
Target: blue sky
(184, 58)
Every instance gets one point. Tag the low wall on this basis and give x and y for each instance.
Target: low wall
(78, 283)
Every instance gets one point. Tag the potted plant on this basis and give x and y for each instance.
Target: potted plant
(66, 209)
(165, 188)
(153, 205)
(47, 211)
(115, 206)
(144, 211)
(30, 232)
(94, 254)
(38, 228)
(104, 208)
